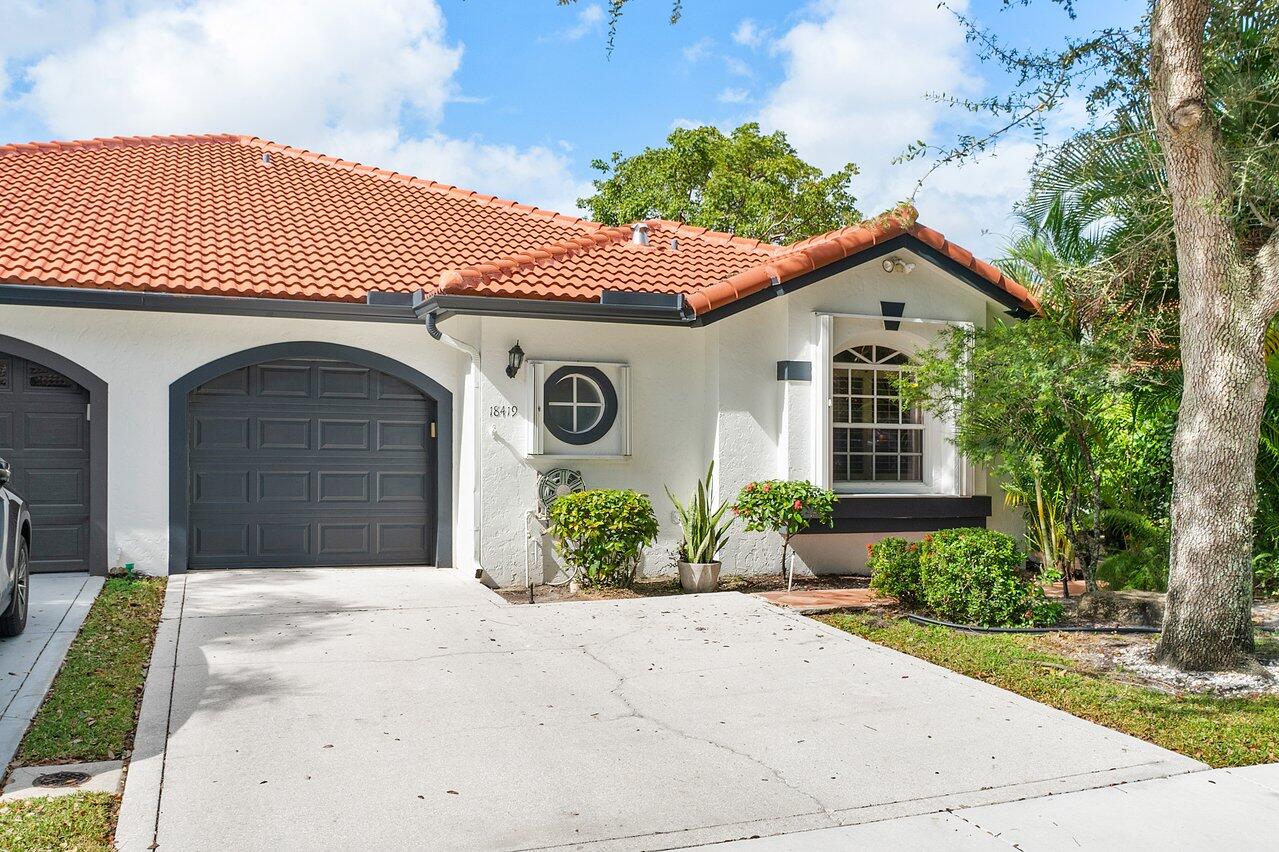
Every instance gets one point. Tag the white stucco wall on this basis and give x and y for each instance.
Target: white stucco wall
(695, 395)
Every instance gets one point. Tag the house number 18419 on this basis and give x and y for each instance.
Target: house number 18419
(504, 411)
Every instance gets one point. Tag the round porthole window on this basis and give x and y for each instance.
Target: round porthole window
(579, 404)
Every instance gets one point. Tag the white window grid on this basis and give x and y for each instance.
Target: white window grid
(879, 435)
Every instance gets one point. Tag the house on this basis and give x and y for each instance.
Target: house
(218, 351)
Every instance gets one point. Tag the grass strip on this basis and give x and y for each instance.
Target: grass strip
(91, 710)
(79, 822)
(1235, 731)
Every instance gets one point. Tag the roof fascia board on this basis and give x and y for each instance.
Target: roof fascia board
(445, 305)
(901, 242)
(253, 306)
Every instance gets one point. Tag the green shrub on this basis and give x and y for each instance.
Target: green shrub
(1142, 562)
(1265, 575)
(973, 576)
(894, 570)
(601, 534)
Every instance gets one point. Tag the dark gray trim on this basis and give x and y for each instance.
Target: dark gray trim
(98, 414)
(794, 371)
(901, 242)
(892, 525)
(400, 298)
(672, 301)
(892, 309)
(176, 303)
(906, 513)
(180, 388)
(446, 305)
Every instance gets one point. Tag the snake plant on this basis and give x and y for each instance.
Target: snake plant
(705, 529)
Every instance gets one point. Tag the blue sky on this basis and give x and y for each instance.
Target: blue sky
(516, 97)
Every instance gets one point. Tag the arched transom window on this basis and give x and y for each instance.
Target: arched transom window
(876, 438)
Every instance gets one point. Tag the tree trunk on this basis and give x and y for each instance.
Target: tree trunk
(1223, 314)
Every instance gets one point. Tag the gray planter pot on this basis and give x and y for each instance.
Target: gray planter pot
(698, 576)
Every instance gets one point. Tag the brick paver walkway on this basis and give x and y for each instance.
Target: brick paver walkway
(820, 600)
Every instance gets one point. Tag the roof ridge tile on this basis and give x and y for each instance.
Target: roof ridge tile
(466, 278)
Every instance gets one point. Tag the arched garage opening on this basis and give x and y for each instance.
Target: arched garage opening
(53, 432)
(309, 454)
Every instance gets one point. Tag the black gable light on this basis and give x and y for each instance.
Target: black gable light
(514, 360)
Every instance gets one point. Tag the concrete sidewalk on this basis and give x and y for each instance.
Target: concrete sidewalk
(1234, 809)
(411, 708)
(28, 663)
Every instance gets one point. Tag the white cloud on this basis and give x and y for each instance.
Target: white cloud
(536, 175)
(857, 77)
(856, 86)
(303, 73)
(589, 19)
(748, 33)
(290, 69)
(733, 96)
(972, 203)
(736, 66)
(698, 50)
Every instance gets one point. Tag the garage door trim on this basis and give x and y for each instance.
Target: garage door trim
(97, 389)
(178, 432)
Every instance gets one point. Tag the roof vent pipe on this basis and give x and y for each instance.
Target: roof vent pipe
(639, 233)
(266, 158)
(674, 243)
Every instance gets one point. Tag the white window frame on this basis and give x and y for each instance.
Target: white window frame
(536, 371)
(875, 368)
(936, 431)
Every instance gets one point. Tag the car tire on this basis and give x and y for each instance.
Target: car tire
(14, 619)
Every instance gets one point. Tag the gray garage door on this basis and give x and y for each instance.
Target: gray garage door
(307, 462)
(44, 435)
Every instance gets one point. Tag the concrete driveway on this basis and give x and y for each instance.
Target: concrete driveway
(410, 708)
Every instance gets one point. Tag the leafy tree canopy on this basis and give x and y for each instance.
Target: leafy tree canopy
(747, 182)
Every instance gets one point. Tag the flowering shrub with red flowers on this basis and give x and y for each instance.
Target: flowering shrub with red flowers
(784, 506)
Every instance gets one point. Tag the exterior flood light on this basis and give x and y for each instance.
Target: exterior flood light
(514, 360)
(896, 264)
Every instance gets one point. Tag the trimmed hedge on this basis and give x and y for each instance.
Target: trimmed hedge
(602, 533)
(970, 575)
(973, 575)
(894, 570)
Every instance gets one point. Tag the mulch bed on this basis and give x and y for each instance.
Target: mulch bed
(662, 586)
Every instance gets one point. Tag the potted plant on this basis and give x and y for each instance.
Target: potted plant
(705, 532)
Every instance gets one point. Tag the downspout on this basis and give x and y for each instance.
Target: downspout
(432, 328)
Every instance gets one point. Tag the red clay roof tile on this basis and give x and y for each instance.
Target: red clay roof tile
(214, 214)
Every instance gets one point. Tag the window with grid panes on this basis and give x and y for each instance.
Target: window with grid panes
(875, 437)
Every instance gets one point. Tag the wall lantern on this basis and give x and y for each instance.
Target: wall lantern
(514, 360)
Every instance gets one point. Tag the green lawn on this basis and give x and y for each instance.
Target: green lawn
(80, 822)
(90, 711)
(1218, 731)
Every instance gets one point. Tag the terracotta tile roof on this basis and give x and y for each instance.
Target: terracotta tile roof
(678, 259)
(237, 215)
(207, 215)
(711, 269)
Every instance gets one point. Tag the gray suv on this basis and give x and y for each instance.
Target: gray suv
(15, 549)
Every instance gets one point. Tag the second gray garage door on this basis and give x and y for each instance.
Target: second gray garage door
(305, 462)
(44, 436)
